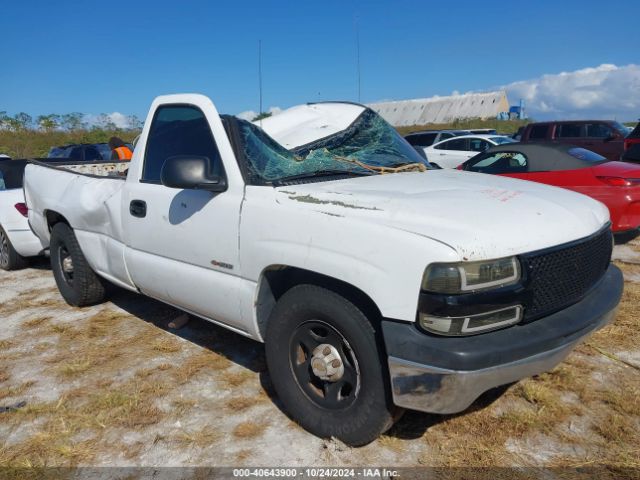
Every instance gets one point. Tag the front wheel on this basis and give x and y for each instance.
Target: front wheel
(9, 258)
(77, 282)
(327, 366)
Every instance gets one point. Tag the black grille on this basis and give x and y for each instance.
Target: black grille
(560, 276)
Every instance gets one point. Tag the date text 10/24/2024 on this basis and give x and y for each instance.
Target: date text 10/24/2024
(316, 472)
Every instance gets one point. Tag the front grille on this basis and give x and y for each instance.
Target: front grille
(560, 276)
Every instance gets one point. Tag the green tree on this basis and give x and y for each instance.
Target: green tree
(4, 120)
(134, 123)
(49, 122)
(20, 121)
(104, 122)
(73, 121)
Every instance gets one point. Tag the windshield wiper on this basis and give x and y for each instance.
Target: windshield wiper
(320, 173)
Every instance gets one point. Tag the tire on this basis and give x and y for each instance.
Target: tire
(77, 282)
(353, 405)
(9, 258)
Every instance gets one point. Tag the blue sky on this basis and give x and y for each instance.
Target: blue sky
(115, 56)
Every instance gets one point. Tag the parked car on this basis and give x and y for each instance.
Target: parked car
(427, 138)
(17, 242)
(616, 184)
(84, 152)
(484, 131)
(452, 152)
(605, 137)
(372, 292)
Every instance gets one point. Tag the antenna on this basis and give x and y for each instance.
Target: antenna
(358, 55)
(260, 78)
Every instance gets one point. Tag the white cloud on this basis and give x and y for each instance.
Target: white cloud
(247, 115)
(250, 114)
(606, 91)
(119, 119)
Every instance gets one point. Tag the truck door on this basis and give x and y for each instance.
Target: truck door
(182, 245)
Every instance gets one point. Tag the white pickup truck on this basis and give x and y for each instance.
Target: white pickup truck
(375, 282)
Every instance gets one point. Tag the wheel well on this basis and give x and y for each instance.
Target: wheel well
(278, 279)
(53, 218)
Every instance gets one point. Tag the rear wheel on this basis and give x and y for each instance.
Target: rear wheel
(327, 366)
(78, 283)
(9, 258)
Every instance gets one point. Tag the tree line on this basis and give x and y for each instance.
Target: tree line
(23, 136)
(66, 122)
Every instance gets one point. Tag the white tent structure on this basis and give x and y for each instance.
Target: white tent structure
(421, 111)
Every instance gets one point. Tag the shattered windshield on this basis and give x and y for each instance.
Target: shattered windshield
(368, 146)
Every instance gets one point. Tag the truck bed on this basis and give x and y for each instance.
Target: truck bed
(88, 197)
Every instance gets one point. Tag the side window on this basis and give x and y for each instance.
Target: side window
(413, 140)
(178, 130)
(445, 135)
(538, 132)
(91, 153)
(500, 162)
(427, 139)
(2, 185)
(478, 145)
(569, 130)
(599, 130)
(421, 139)
(459, 144)
(76, 153)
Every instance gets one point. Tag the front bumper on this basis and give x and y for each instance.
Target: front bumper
(446, 374)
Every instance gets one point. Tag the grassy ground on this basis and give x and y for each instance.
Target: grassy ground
(502, 126)
(32, 143)
(112, 385)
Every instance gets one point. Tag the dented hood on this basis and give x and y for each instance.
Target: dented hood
(479, 216)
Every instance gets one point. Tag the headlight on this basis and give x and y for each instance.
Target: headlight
(471, 324)
(462, 277)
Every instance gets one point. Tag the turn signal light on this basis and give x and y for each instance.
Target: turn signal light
(22, 208)
(620, 182)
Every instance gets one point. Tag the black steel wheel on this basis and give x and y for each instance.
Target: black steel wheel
(324, 364)
(78, 283)
(328, 367)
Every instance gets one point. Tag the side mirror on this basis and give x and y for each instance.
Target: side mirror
(191, 172)
(611, 137)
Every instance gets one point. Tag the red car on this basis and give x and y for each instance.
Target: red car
(616, 184)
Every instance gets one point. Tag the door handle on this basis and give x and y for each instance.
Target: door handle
(138, 208)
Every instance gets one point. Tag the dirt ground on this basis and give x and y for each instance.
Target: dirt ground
(113, 385)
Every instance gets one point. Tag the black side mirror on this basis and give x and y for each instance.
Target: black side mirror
(611, 137)
(191, 172)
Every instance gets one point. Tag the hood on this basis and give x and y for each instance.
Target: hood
(480, 216)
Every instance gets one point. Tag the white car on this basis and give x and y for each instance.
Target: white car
(17, 242)
(373, 290)
(454, 151)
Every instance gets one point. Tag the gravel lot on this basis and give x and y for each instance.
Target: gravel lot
(112, 385)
